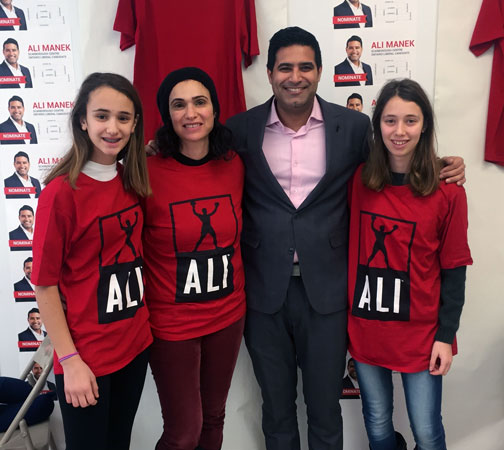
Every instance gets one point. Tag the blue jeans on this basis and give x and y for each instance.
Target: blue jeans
(423, 401)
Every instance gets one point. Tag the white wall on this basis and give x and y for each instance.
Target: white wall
(473, 408)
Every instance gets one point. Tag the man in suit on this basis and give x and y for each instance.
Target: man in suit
(34, 331)
(15, 124)
(349, 13)
(350, 382)
(24, 231)
(354, 101)
(21, 179)
(8, 11)
(11, 68)
(353, 72)
(24, 285)
(34, 375)
(299, 152)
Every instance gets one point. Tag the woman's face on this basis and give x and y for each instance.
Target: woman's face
(401, 126)
(191, 112)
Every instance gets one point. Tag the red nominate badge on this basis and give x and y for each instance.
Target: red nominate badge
(29, 344)
(5, 22)
(13, 80)
(15, 136)
(20, 243)
(24, 296)
(19, 190)
(347, 77)
(342, 20)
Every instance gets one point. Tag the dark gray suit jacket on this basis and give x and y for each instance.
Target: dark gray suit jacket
(318, 230)
(14, 181)
(5, 72)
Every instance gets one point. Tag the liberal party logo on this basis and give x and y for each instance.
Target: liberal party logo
(204, 247)
(382, 286)
(121, 288)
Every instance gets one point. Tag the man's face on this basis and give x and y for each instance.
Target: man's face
(16, 110)
(37, 370)
(22, 165)
(351, 370)
(11, 53)
(35, 322)
(354, 103)
(6, 3)
(354, 51)
(28, 269)
(294, 78)
(26, 219)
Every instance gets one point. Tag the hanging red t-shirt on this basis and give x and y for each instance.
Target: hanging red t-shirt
(193, 220)
(88, 242)
(211, 35)
(398, 245)
(489, 30)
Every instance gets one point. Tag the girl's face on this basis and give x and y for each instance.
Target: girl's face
(191, 111)
(401, 126)
(110, 121)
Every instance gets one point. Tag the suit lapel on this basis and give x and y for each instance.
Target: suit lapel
(332, 128)
(257, 125)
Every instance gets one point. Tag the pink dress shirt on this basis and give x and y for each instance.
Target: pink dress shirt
(297, 159)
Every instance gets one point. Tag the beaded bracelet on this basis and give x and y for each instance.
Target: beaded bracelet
(67, 356)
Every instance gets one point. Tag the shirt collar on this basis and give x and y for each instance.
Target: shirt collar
(315, 115)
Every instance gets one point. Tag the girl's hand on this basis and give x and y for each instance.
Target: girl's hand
(441, 358)
(80, 383)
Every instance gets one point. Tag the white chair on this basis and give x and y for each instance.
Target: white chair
(20, 436)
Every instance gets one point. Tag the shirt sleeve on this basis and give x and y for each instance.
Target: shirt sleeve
(454, 249)
(52, 234)
(126, 23)
(489, 27)
(248, 41)
(452, 301)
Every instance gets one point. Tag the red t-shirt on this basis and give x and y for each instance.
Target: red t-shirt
(169, 35)
(398, 245)
(489, 30)
(193, 221)
(88, 242)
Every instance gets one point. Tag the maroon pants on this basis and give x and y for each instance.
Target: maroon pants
(193, 379)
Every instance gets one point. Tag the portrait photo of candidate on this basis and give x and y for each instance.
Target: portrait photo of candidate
(24, 284)
(9, 11)
(16, 124)
(347, 12)
(350, 382)
(25, 229)
(11, 68)
(34, 332)
(34, 375)
(21, 179)
(354, 101)
(352, 71)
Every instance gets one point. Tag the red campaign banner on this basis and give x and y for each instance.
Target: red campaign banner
(20, 243)
(20, 190)
(13, 80)
(29, 344)
(15, 136)
(24, 294)
(341, 20)
(346, 77)
(5, 22)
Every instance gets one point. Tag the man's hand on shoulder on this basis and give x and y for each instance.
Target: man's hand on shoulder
(151, 148)
(453, 170)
